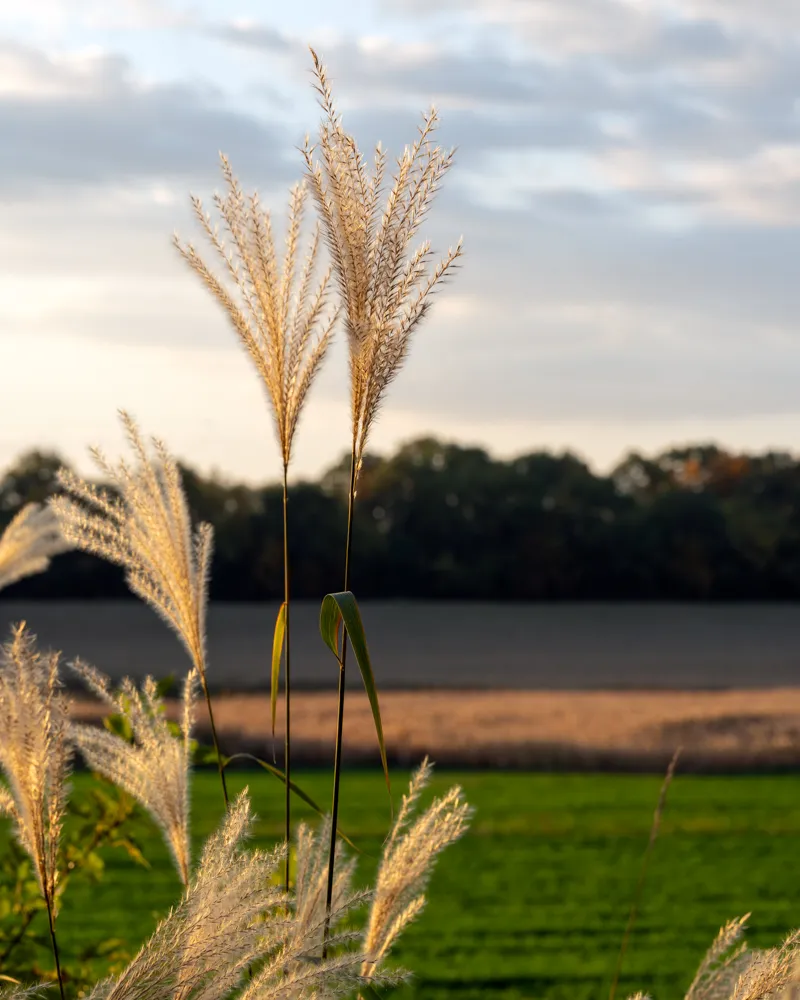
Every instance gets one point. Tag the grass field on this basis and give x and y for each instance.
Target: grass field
(533, 902)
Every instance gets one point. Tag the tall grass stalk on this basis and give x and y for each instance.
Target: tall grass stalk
(285, 326)
(337, 759)
(54, 942)
(384, 288)
(287, 682)
(637, 895)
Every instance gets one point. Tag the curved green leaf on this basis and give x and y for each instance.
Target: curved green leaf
(277, 649)
(298, 791)
(342, 608)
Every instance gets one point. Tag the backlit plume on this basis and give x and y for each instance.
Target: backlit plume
(154, 767)
(30, 540)
(144, 526)
(34, 753)
(282, 320)
(385, 288)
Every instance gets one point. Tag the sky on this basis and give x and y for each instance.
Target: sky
(627, 184)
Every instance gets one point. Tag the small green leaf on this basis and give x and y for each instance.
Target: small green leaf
(343, 608)
(298, 791)
(277, 649)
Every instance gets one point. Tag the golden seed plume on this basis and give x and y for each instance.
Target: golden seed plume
(30, 540)
(34, 753)
(154, 768)
(385, 288)
(731, 971)
(408, 858)
(311, 882)
(283, 321)
(722, 963)
(145, 527)
(202, 949)
(232, 918)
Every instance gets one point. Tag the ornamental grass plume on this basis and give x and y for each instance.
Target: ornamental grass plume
(408, 859)
(731, 971)
(31, 538)
(722, 964)
(285, 324)
(385, 288)
(146, 528)
(35, 757)
(154, 767)
(232, 918)
(202, 948)
(311, 881)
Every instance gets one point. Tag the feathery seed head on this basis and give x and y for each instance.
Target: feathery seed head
(408, 858)
(722, 963)
(154, 769)
(312, 878)
(201, 950)
(385, 288)
(30, 540)
(232, 918)
(146, 529)
(282, 320)
(34, 752)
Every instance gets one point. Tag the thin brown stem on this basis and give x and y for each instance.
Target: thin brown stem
(214, 740)
(337, 759)
(51, 923)
(287, 761)
(656, 825)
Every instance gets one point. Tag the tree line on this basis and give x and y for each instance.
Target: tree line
(441, 521)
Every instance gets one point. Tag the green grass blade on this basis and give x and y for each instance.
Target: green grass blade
(277, 649)
(343, 608)
(298, 791)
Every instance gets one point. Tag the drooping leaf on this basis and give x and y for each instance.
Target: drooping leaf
(277, 649)
(342, 608)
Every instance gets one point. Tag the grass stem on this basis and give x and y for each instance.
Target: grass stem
(637, 895)
(337, 759)
(54, 942)
(287, 763)
(214, 740)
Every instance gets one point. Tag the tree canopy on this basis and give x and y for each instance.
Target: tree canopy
(442, 521)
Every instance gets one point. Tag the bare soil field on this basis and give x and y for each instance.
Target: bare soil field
(627, 730)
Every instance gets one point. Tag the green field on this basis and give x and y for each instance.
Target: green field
(532, 903)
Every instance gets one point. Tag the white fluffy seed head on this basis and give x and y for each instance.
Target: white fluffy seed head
(28, 543)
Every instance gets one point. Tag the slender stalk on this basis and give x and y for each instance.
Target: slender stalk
(214, 740)
(656, 825)
(337, 759)
(54, 943)
(287, 761)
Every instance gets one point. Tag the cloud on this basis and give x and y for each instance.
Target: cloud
(89, 121)
(665, 113)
